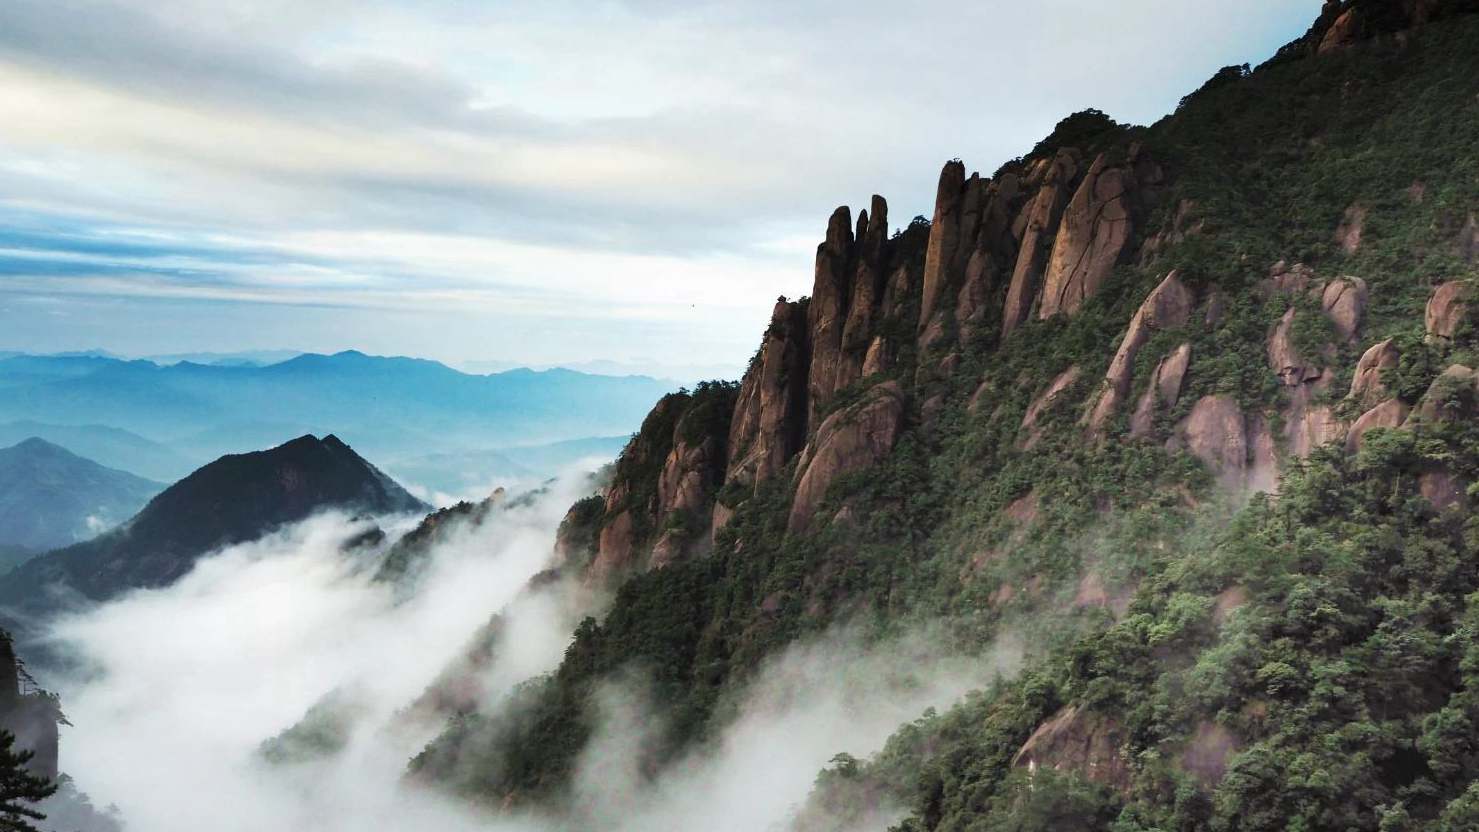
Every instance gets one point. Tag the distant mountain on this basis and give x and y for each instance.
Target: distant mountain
(246, 358)
(232, 500)
(112, 447)
(391, 407)
(50, 497)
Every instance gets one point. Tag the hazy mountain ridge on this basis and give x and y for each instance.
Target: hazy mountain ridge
(51, 497)
(393, 407)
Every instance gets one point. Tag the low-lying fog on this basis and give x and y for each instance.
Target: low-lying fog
(182, 686)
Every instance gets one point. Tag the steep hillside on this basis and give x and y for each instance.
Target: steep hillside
(50, 497)
(106, 446)
(234, 499)
(1190, 404)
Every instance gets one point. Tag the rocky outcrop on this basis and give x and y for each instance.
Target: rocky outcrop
(849, 440)
(1092, 238)
(1215, 433)
(1367, 387)
(827, 314)
(1167, 307)
(944, 244)
(1207, 753)
(1344, 302)
(1162, 393)
(1389, 414)
(658, 507)
(1035, 228)
(1076, 740)
(1044, 401)
(1447, 309)
(770, 418)
(1237, 448)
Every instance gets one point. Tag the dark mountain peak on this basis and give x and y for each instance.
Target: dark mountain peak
(237, 498)
(37, 445)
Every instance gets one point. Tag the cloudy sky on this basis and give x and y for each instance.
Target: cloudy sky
(534, 182)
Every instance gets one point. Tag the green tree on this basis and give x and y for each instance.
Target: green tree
(19, 787)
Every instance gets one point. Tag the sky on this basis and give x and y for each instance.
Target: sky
(493, 183)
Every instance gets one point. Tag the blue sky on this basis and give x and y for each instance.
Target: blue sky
(540, 182)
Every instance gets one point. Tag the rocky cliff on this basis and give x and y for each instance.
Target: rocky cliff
(1191, 404)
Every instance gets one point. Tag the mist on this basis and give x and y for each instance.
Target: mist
(179, 688)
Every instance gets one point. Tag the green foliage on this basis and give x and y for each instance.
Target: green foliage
(19, 789)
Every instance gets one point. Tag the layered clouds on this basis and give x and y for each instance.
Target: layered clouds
(177, 690)
(530, 181)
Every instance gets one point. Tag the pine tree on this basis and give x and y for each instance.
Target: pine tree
(19, 787)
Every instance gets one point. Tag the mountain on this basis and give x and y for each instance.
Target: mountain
(392, 407)
(112, 447)
(50, 497)
(1187, 410)
(234, 499)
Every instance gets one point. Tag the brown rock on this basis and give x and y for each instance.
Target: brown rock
(1348, 233)
(1308, 425)
(1022, 510)
(1039, 222)
(1284, 359)
(827, 312)
(770, 420)
(1263, 469)
(1344, 302)
(1344, 32)
(1092, 238)
(617, 548)
(1164, 391)
(1167, 307)
(1447, 309)
(944, 239)
(1389, 414)
(1367, 387)
(1080, 741)
(1215, 432)
(849, 440)
(1045, 400)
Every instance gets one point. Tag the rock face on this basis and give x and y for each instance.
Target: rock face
(1162, 393)
(1447, 309)
(770, 418)
(1092, 238)
(1036, 228)
(1452, 397)
(1042, 403)
(1216, 433)
(1167, 307)
(1084, 742)
(849, 440)
(1367, 388)
(1389, 414)
(659, 505)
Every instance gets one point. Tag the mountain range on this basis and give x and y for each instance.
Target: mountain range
(50, 497)
(393, 407)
